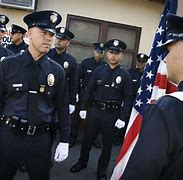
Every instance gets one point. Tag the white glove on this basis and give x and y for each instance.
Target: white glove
(71, 108)
(77, 97)
(61, 152)
(82, 114)
(119, 124)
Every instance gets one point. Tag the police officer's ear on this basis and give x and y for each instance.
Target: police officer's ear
(68, 42)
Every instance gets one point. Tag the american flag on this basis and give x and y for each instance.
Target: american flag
(154, 84)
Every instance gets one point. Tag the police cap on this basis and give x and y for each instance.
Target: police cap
(99, 47)
(116, 45)
(64, 33)
(46, 20)
(3, 21)
(174, 29)
(142, 58)
(17, 29)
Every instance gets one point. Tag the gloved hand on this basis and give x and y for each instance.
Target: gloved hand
(82, 114)
(71, 108)
(119, 124)
(61, 152)
(77, 97)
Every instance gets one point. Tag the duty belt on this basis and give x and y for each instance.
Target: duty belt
(21, 125)
(108, 106)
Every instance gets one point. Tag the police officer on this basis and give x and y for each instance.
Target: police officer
(32, 88)
(3, 21)
(17, 39)
(137, 73)
(85, 71)
(158, 153)
(67, 61)
(110, 88)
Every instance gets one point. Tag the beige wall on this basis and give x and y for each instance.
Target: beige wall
(141, 13)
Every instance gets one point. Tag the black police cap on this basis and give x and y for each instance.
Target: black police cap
(46, 20)
(142, 58)
(115, 44)
(174, 29)
(3, 21)
(17, 29)
(64, 33)
(99, 47)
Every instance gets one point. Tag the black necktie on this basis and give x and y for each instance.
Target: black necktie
(33, 115)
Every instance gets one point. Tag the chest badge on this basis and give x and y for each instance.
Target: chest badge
(118, 79)
(50, 79)
(42, 88)
(66, 65)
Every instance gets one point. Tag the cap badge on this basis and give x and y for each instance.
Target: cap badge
(142, 56)
(62, 30)
(118, 79)
(50, 79)
(66, 64)
(2, 19)
(53, 17)
(116, 43)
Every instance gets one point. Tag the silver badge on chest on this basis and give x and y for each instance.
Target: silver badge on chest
(118, 79)
(50, 79)
(66, 65)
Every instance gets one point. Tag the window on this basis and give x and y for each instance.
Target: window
(88, 31)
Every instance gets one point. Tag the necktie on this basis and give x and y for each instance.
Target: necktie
(33, 115)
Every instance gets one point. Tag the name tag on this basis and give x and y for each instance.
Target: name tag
(17, 85)
(89, 70)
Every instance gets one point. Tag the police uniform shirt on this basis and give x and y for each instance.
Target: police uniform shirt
(4, 52)
(69, 64)
(86, 69)
(110, 85)
(17, 48)
(52, 94)
(158, 153)
(136, 75)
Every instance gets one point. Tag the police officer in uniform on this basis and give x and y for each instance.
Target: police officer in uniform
(137, 73)
(158, 153)
(32, 88)
(17, 38)
(85, 71)
(110, 88)
(67, 61)
(3, 21)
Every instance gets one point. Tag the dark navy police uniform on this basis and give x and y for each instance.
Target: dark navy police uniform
(109, 89)
(68, 62)
(85, 71)
(22, 138)
(159, 156)
(4, 52)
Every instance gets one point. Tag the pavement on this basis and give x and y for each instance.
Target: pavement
(61, 171)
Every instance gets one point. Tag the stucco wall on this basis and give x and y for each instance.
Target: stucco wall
(141, 13)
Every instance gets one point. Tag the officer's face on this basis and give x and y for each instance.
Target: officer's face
(98, 55)
(16, 37)
(114, 58)
(61, 43)
(40, 40)
(174, 61)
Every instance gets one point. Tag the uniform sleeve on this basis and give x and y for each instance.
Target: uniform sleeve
(150, 154)
(127, 101)
(62, 105)
(2, 85)
(80, 75)
(89, 92)
(73, 84)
